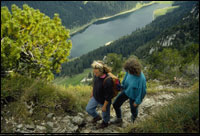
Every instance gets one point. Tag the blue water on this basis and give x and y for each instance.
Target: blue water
(101, 32)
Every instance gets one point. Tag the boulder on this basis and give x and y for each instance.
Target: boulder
(78, 120)
(50, 115)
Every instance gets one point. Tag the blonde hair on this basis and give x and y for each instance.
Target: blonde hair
(101, 66)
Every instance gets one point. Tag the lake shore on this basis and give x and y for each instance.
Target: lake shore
(139, 6)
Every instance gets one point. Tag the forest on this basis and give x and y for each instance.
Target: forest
(140, 41)
(76, 13)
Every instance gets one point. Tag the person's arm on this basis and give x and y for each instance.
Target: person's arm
(108, 93)
(104, 106)
(141, 94)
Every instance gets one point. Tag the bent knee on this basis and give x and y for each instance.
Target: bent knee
(88, 109)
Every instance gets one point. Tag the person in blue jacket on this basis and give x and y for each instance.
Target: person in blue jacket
(134, 89)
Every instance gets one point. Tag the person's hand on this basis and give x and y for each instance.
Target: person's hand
(134, 104)
(103, 109)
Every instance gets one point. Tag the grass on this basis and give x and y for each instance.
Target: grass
(180, 116)
(153, 88)
(61, 99)
(75, 80)
(163, 11)
(47, 98)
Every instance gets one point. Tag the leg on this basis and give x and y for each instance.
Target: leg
(134, 110)
(121, 98)
(91, 107)
(106, 115)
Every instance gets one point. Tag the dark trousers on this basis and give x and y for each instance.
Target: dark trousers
(121, 98)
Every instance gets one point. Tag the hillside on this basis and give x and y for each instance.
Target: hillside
(128, 45)
(75, 14)
(34, 106)
(177, 37)
(168, 50)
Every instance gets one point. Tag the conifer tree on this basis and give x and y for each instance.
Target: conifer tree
(32, 43)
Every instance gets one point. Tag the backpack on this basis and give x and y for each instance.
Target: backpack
(116, 84)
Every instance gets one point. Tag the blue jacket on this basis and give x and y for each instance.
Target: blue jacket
(134, 87)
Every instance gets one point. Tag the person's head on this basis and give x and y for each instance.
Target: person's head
(133, 66)
(99, 68)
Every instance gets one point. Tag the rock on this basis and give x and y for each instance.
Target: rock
(24, 131)
(67, 117)
(20, 126)
(43, 123)
(147, 102)
(30, 127)
(18, 130)
(74, 129)
(86, 131)
(127, 115)
(81, 114)
(31, 111)
(160, 87)
(155, 80)
(88, 118)
(77, 120)
(50, 124)
(40, 127)
(66, 121)
(50, 115)
(164, 96)
(62, 130)
(55, 130)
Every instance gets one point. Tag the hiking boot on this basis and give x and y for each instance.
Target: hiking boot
(103, 125)
(96, 119)
(116, 121)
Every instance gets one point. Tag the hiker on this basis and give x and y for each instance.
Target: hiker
(134, 89)
(101, 94)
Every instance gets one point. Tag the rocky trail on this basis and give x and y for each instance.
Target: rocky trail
(80, 123)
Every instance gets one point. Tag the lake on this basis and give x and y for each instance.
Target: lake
(103, 32)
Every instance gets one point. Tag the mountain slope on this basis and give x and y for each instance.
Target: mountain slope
(76, 13)
(175, 37)
(127, 45)
(33, 106)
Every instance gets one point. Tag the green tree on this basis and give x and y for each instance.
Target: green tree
(115, 61)
(190, 64)
(167, 62)
(32, 43)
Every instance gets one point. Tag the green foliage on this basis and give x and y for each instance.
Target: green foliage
(171, 62)
(167, 62)
(115, 62)
(190, 52)
(177, 36)
(190, 64)
(76, 13)
(32, 43)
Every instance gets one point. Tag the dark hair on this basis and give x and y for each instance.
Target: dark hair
(133, 66)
